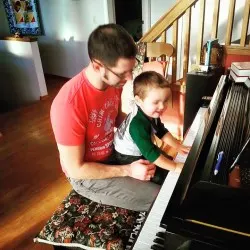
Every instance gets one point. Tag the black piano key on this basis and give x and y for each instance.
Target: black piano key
(160, 235)
(159, 241)
(173, 241)
(157, 247)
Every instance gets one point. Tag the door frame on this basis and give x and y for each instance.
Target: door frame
(109, 11)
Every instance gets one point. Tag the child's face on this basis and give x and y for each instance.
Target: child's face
(155, 102)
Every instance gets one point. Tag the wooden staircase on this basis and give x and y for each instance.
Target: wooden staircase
(169, 24)
(183, 10)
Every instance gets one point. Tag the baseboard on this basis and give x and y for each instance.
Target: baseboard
(42, 98)
(56, 76)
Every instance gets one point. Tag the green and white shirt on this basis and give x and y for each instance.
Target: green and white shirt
(133, 137)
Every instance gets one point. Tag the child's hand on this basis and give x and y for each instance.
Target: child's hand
(183, 149)
(179, 167)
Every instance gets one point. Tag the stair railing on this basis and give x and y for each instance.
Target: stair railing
(182, 10)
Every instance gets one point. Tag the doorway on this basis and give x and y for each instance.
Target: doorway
(128, 13)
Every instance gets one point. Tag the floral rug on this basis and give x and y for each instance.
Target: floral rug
(82, 223)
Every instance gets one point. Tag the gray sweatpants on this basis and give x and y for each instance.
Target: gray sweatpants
(124, 192)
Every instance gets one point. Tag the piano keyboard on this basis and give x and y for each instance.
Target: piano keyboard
(152, 224)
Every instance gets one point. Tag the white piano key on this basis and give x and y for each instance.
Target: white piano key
(152, 223)
(151, 233)
(181, 158)
(148, 240)
(144, 245)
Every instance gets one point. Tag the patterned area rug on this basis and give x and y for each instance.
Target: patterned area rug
(84, 224)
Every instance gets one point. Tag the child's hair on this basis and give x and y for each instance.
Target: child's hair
(110, 42)
(148, 80)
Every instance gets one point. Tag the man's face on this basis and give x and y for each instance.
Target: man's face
(117, 76)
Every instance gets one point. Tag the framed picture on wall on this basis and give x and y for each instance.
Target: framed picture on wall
(23, 16)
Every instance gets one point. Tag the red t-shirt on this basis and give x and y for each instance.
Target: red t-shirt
(80, 113)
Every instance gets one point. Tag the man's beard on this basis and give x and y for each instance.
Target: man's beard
(107, 82)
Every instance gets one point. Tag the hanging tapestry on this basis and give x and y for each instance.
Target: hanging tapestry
(23, 16)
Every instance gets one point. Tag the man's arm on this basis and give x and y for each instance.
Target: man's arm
(71, 158)
(120, 116)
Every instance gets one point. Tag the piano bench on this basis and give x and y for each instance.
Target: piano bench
(81, 223)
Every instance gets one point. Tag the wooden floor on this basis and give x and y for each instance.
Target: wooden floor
(31, 181)
(32, 184)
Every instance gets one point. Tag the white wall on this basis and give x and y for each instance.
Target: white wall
(67, 25)
(159, 8)
(152, 10)
(4, 28)
(21, 75)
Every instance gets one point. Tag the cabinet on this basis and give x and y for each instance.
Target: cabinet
(198, 85)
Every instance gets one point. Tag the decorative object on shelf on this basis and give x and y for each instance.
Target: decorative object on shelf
(23, 16)
(211, 55)
(17, 35)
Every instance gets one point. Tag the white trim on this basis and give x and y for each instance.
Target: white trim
(39, 69)
(146, 15)
(66, 244)
(106, 12)
(109, 11)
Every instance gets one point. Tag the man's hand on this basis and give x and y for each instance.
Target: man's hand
(142, 170)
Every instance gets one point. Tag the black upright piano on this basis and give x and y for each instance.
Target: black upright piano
(211, 200)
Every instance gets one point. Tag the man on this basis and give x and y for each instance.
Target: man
(83, 116)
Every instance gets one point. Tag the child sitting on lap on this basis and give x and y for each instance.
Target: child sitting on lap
(133, 139)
